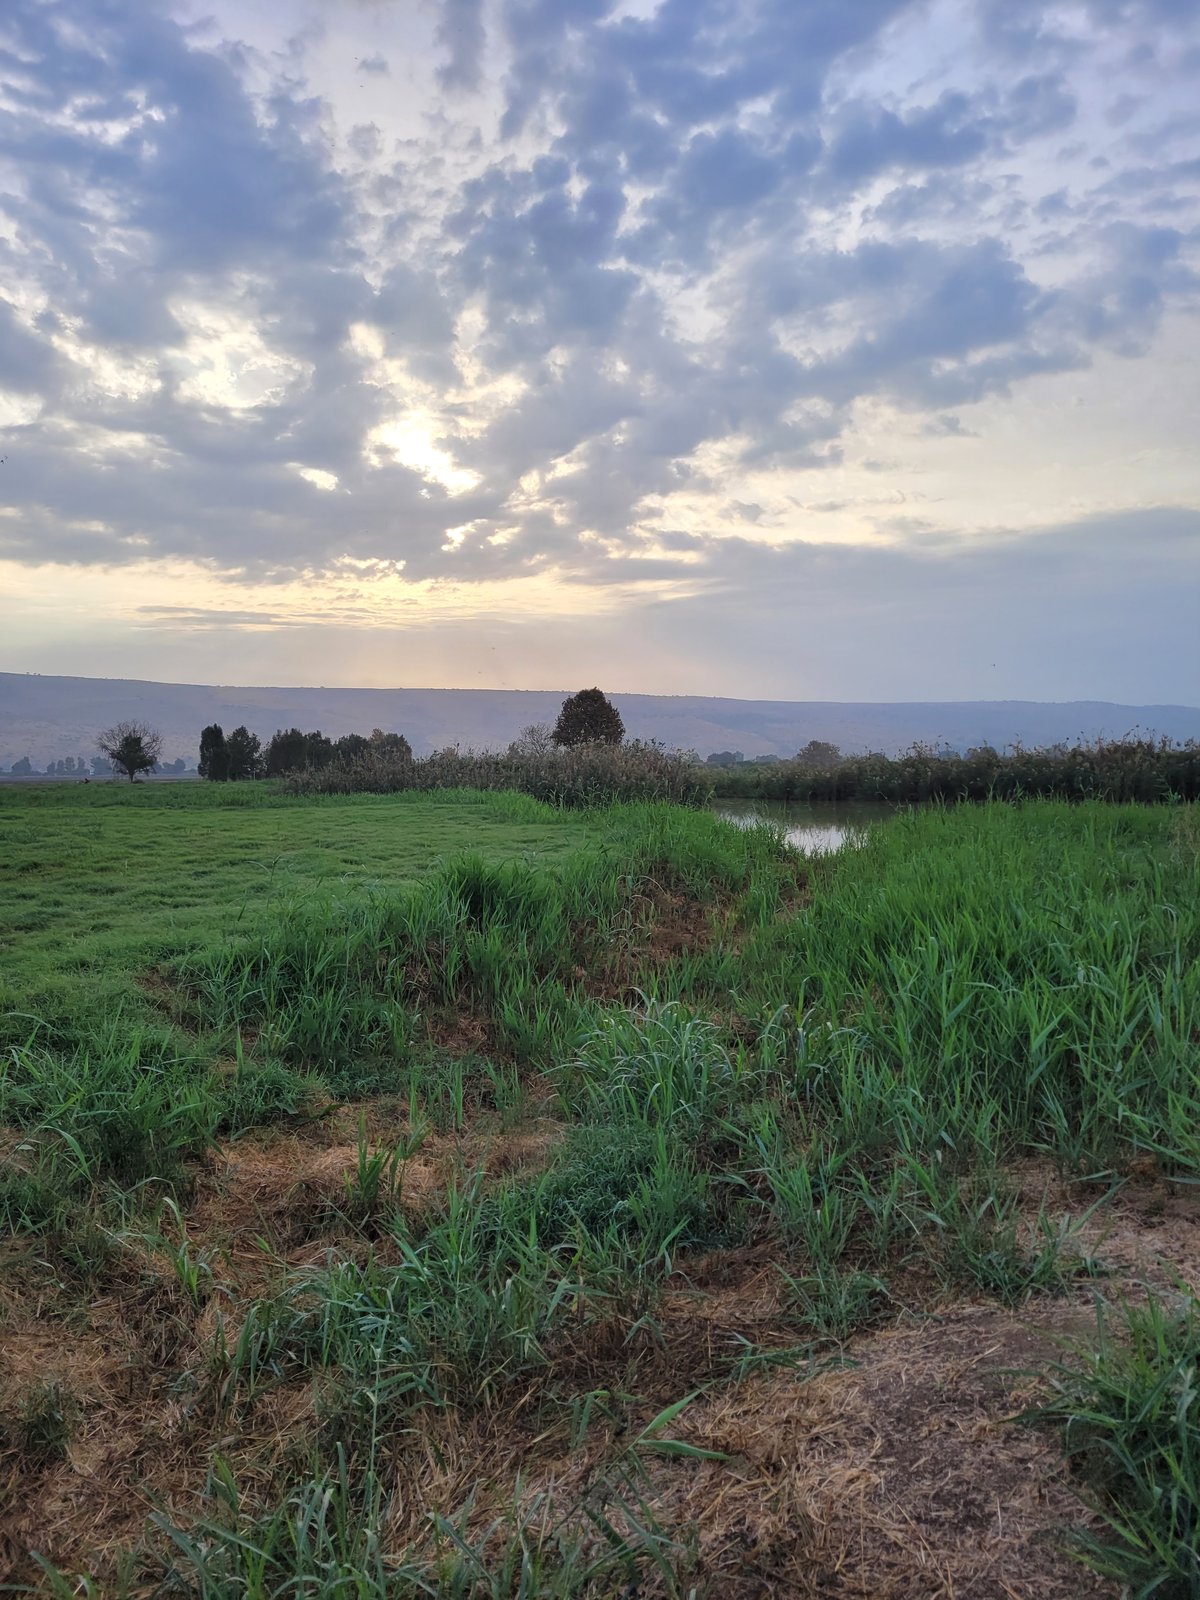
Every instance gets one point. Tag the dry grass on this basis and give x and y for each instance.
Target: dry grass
(893, 1472)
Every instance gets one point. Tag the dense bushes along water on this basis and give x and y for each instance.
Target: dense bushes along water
(586, 775)
(1118, 770)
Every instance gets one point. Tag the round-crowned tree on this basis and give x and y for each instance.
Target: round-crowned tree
(588, 717)
(132, 747)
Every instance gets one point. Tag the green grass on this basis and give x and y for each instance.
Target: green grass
(1128, 1408)
(835, 1066)
(101, 883)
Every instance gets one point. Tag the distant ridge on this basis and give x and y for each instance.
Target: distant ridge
(47, 718)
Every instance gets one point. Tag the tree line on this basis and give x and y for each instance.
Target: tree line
(242, 755)
(588, 717)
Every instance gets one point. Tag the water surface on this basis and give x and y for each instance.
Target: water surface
(815, 829)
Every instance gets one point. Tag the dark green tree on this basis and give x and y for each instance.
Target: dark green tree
(588, 718)
(132, 747)
(352, 747)
(244, 752)
(284, 752)
(819, 755)
(390, 746)
(214, 754)
(319, 750)
(293, 751)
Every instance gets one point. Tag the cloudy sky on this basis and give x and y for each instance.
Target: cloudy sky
(790, 348)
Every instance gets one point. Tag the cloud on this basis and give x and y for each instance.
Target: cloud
(570, 321)
(460, 32)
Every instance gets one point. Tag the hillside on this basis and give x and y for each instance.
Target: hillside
(47, 718)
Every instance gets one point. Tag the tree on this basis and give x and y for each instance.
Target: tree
(818, 755)
(243, 752)
(132, 747)
(319, 750)
(352, 747)
(535, 740)
(22, 768)
(293, 751)
(214, 754)
(101, 767)
(284, 752)
(390, 746)
(588, 718)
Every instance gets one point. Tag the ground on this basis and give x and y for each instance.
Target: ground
(629, 1203)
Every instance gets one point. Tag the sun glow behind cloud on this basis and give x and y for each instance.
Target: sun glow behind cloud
(411, 441)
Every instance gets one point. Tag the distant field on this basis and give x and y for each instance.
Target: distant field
(447, 1195)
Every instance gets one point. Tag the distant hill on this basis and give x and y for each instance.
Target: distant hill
(47, 718)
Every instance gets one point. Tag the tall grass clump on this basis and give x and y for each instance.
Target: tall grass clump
(1128, 1412)
(347, 983)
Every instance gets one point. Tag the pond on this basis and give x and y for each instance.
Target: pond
(816, 829)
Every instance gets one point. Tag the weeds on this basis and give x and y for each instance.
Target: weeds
(1128, 1409)
(44, 1424)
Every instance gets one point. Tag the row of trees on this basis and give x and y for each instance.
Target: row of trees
(586, 718)
(242, 754)
(98, 767)
(818, 755)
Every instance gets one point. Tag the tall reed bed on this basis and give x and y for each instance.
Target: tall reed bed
(586, 775)
(1119, 770)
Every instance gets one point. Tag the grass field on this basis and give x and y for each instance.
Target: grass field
(101, 882)
(448, 1195)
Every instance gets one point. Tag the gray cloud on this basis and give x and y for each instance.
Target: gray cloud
(703, 228)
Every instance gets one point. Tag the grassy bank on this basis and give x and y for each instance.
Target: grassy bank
(559, 1215)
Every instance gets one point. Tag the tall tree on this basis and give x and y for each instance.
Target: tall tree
(390, 746)
(132, 747)
(319, 750)
(243, 750)
(214, 754)
(293, 751)
(588, 718)
(352, 747)
(536, 739)
(820, 755)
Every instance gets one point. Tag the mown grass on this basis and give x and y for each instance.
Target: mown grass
(835, 1068)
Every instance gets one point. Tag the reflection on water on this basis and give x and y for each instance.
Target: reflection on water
(814, 830)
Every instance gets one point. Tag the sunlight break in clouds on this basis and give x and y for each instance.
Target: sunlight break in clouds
(781, 347)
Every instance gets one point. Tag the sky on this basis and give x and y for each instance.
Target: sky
(793, 349)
